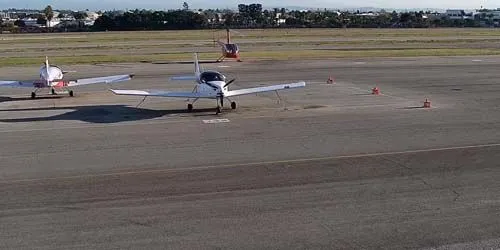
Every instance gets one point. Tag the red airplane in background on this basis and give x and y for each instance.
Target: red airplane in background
(229, 50)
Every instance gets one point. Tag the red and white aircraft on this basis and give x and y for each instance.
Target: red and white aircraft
(51, 76)
(229, 50)
(209, 85)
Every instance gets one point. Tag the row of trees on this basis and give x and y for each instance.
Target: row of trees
(253, 16)
(150, 20)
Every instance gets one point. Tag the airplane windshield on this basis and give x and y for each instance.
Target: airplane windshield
(211, 76)
(232, 48)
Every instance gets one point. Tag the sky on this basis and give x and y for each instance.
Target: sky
(196, 4)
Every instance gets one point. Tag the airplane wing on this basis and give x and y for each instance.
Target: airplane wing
(265, 89)
(104, 79)
(17, 84)
(161, 93)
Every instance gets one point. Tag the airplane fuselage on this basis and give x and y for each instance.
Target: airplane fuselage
(212, 83)
(230, 50)
(209, 85)
(213, 88)
(51, 76)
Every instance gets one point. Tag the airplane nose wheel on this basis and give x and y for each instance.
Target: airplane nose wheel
(190, 107)
(233, 105)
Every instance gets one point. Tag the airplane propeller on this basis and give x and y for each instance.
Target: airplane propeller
(231, 81)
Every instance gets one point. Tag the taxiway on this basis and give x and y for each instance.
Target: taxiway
(332, 166)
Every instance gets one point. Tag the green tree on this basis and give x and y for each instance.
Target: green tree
(41, 20)
(104, 23)
(19, 23)
(79, 15)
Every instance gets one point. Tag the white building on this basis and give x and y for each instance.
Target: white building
(489, 14)
(458, 14)
(92, 15)
(33, 22)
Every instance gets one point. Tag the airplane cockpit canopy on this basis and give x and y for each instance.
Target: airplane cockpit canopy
(211, 76)
(231, 48)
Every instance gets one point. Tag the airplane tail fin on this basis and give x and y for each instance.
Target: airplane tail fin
(197, 69)
(47, 68)
(197, 72)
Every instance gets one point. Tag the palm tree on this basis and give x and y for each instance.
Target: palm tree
(49, 14)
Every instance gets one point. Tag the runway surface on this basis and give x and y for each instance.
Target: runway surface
(331, 166)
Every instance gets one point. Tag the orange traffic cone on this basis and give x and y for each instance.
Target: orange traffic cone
(427, 103)
(375, 91)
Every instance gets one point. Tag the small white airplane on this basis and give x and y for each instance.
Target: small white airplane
(51, 76)
(209, 85)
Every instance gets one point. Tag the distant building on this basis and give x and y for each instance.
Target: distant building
(30, 22)
(488, 18)
(458, 14)
(493, 15)
(9, 15)
(92, 15)
(280, 18)
(368, 14)
(4, 15)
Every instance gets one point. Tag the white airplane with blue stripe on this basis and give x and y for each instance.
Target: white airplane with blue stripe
(209, 85)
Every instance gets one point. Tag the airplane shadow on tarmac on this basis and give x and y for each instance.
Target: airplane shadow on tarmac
(14, 99)
(103, 114)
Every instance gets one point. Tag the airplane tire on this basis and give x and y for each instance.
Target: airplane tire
(218, 111)
(53, 91)
(71, 93)
(33, 95)
(190, 107)
(233, 105)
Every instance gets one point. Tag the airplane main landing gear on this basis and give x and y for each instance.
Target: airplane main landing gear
(53, 91)
(71, 93)
(33, 95)
(190, 107)
(233, 105)
(218, 110)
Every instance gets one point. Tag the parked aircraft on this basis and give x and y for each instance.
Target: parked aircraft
(209, 85)
(51, 76)
(229, 50)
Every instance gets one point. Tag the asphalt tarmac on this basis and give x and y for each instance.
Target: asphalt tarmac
(329, 167)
